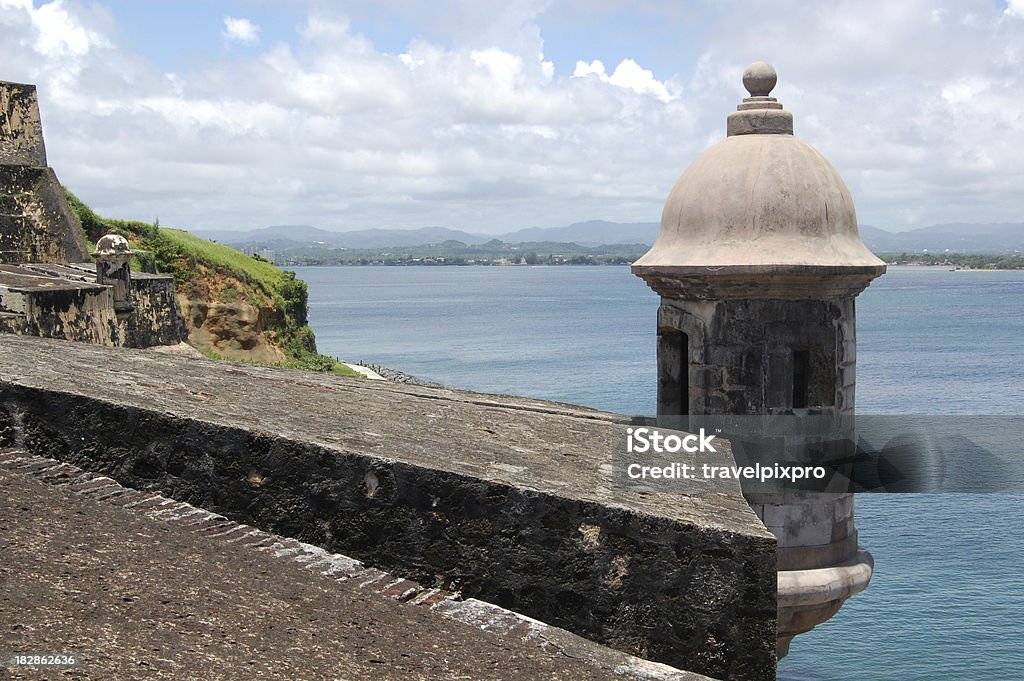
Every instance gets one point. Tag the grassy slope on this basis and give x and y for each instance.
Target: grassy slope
(210, 271)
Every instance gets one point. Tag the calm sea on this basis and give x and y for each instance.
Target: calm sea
(947, 599)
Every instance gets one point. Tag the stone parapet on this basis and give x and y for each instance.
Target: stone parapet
(506, 500)
(63, 301)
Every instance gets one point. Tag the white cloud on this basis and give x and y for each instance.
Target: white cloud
(479, 131)
(507, 69)
(628, 74)
(56, 31)
(595, 68)
(25, 5)
(241, 31)
(1014, 8)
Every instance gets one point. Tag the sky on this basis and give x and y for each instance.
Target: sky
(495, 116)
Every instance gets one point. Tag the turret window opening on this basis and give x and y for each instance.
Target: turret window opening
(674, 373)
(801, 377)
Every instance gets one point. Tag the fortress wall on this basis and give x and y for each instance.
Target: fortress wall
(75, 313)
(36, 222)
(155, 319)
(501, 498)
(21, 131)
(53, 301)
(179, 554)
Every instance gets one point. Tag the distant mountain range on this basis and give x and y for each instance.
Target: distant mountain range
(593, 233)
(960, 237)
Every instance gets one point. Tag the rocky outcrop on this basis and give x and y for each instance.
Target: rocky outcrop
(232, 330)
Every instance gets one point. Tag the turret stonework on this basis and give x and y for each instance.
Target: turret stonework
(758, 262)
(113, 268)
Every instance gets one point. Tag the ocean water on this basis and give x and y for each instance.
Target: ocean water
(947, 598)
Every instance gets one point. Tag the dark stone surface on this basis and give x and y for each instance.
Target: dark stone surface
(137, 598)
(739, 357)
(503, 498)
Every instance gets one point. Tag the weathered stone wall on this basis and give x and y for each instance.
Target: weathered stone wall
(36, 222)
(75, 313)
(507, 500)
(21, 132)
(154, 319)
(59, 302)
(187, 563)
(741, 356)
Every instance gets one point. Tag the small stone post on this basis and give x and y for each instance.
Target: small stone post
(113, 268)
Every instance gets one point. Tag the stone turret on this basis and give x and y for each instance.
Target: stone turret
(113, 268)
(758, 262)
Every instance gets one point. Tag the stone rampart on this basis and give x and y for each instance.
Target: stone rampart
(36, 222)
(503, 499)
(64, 302)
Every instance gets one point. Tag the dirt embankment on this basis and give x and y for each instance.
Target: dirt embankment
(228, 318)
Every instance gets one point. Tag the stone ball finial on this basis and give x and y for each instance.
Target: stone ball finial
(112, 244)
(759, 78)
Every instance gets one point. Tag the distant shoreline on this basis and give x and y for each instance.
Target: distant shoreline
(908, 265)
(947, 268)
(454, 264)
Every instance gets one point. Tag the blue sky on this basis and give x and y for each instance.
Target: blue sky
(492, 116)
(179, 35)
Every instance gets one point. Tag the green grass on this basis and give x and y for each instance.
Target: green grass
(224, 258)
(342, 370)
(338, 368)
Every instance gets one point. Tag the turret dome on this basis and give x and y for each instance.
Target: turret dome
(761, 201)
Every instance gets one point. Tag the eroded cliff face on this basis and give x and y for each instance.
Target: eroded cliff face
(228, 318)
(233, 330)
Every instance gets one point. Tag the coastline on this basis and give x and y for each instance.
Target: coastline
(285, 265)
(393, 375)
(951, 268)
